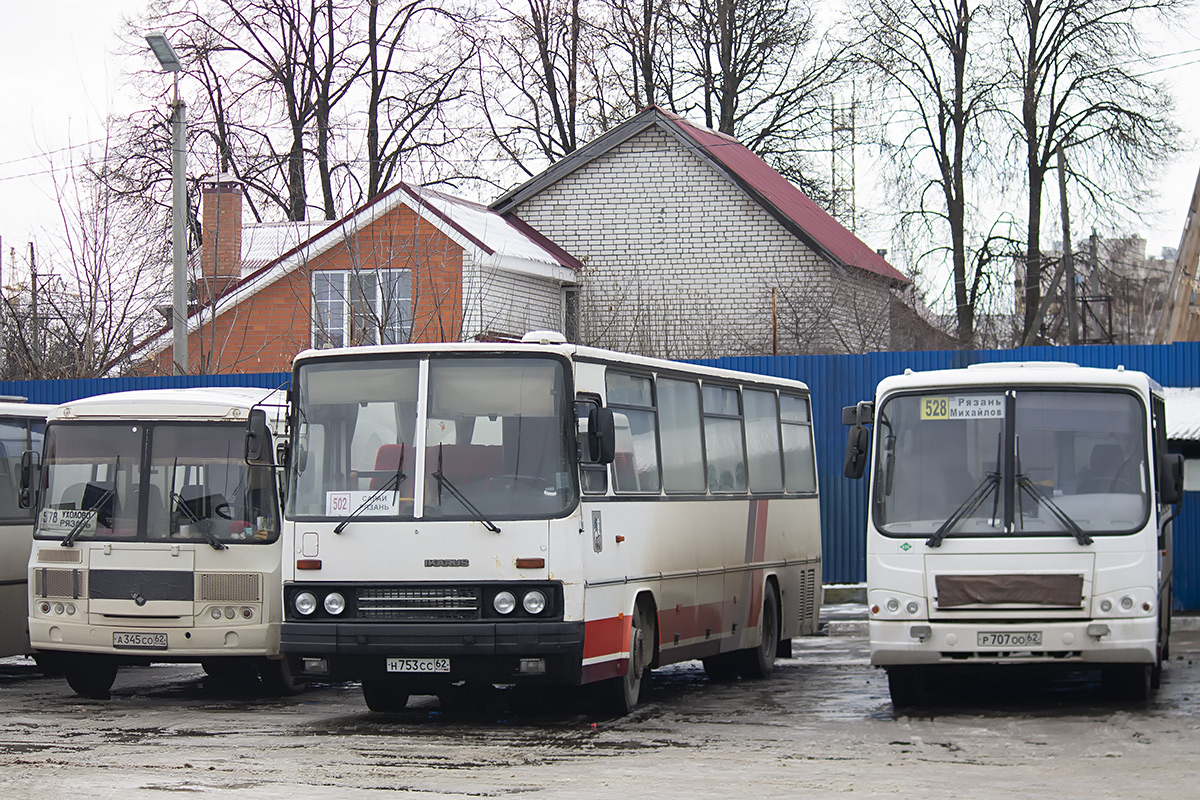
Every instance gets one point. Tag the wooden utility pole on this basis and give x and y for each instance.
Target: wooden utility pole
(1178, 323)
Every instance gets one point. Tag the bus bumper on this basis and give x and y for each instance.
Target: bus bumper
(183, 644)
(495, 652)
(1077, 641)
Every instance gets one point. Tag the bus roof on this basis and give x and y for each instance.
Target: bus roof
(25, 410)
(573, 352)
(202, 403)
(1019, 373)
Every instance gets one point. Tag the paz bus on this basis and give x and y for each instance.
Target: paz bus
(21, 427)
(154, 540)
(1019, 513)
(467, 515)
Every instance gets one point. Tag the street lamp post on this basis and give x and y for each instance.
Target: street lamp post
(170, 63)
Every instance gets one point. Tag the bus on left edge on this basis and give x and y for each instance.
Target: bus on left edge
(21, 428)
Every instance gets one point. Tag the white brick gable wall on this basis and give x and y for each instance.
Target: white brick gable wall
(679, 263)
(500, 301)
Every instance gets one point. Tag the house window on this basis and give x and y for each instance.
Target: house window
(361, 307)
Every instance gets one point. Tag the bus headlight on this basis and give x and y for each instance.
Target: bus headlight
(335, 603)
(1127, 602)
(534, 602)
(893, 605)
(1106, 606)
(912, 608)
(504, 602)
(305, 603)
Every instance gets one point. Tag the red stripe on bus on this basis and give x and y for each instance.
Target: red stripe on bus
(602, 637)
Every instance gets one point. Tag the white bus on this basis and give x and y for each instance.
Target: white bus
(537, 512)
(155, 541)
(1019, 513)
(21, 427)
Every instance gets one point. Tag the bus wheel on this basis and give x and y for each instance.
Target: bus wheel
(759, 662)
(906, 685)
(722, 668)
(277, 678)
(384, 696)
(621, 694)
(90, 675)
(50, 664)
(1130, 682)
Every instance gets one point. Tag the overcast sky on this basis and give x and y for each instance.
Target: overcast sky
(58, 80)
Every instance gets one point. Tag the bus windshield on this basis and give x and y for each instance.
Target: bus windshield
(961, 462)
(194, 486)
(498, 435)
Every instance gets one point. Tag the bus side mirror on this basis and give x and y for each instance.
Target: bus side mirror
(1170, 478)
(601, 435)
(29, 466)
(858, 445)
(258, 439)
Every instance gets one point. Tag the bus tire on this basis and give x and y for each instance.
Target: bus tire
(91, 675)
(277, 678)
(621, 695)
(1130, 682)
(384, 696)
(50, 664)
(906, 685)
(756, 663)
(721, 668)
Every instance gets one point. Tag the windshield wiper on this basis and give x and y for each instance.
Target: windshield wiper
(93, 509)
(990, 484)
(443, 481)
(208, 536)
(1030, 488)
(392, 483)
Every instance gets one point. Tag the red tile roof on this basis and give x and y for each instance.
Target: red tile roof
(757, 176)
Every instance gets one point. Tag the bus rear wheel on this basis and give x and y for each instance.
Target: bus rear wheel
(384, 696)
(759, 662)
(91, 675)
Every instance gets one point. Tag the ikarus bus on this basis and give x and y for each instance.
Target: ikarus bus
(1020, 513)
(538, 512)
(155, 541)
(21, 428)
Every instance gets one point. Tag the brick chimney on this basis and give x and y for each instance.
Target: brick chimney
(221, 232)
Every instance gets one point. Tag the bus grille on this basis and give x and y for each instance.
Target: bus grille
(69, 583)
(230, 587)
(424, 603)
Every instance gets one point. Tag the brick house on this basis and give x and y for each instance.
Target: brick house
(693, 247)
(413, 265)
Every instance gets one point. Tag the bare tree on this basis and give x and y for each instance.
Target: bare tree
(931, 54)
(95, 288)
(1072, 66)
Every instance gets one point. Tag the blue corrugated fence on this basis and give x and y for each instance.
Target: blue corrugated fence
(836, 381)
